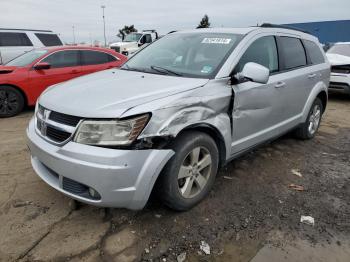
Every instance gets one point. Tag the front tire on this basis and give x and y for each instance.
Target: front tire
(190, 174)
(309, 128)
(11, 101)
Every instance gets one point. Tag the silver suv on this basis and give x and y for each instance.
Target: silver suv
(177, 111)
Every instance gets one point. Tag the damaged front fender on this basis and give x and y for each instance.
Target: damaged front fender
(205, 106)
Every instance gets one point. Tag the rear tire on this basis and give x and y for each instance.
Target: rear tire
(309, 128)
(11, 101)
(190, 174)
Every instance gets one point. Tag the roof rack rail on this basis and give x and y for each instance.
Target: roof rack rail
(16, 29)
(268, 25)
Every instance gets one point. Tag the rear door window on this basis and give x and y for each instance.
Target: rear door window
(293, 52)
(49, 39)
(61, 59)
(263, 52)
(314, 52)
(95, 57)
(14, 39)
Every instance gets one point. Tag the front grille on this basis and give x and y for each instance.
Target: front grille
(64, 119)
(341, 69)
(56, 135)
(116, 48)
(38, 125)
(55, 126)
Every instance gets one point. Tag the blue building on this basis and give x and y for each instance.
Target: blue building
(327, 31)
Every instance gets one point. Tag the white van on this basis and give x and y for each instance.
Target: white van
(14, 42)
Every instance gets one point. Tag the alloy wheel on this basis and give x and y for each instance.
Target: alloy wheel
(9, 102)
(194, 172)
(314, 119)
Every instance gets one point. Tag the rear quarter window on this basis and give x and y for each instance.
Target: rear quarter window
(49, 39)
(314, 52)
(293, 52)
(96, 57)
(14, 39)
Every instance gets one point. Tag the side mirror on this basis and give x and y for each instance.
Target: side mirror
(42, 66)
(256, 73)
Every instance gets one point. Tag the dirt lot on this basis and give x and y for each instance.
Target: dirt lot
(251, 214)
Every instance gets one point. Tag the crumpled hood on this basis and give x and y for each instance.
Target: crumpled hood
(110, 93)
(7, 69)
(336, 59)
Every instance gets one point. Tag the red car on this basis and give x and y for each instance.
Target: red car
(23, 79)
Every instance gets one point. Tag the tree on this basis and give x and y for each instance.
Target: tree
(204, 22)
(126, 30)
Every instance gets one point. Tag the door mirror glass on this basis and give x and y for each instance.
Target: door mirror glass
(255, 72)
(42, 66)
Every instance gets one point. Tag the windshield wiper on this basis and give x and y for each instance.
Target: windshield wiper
(165, 70)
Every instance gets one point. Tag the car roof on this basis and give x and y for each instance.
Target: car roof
(68, 47)
(238, 30)
(247, 30)
(26, 30)
(342, 43)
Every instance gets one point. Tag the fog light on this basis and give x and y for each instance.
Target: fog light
(93, 192)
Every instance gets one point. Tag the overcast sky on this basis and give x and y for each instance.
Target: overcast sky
(163, 15)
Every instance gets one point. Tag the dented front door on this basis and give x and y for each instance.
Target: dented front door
(256, 114)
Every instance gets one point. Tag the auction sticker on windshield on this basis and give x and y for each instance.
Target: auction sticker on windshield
(206, 69)
(223, 41)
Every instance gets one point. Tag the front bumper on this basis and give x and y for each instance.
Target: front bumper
(340, 83)
(123, 178)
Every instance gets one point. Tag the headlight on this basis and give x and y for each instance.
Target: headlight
(110, 132)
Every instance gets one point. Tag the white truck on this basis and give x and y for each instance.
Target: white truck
(134, 41)
(15, 42)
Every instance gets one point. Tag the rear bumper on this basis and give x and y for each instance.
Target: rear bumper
(340, 83)
(122, 178)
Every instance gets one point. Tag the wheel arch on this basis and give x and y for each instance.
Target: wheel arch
(214, 133)
(19, 90)
(319, 91)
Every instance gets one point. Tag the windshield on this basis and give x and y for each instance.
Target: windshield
(132, 37)
(27, 58)
(340, 50)
(185, 54)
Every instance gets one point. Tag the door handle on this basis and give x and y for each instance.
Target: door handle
(311, 76)
(280, 85)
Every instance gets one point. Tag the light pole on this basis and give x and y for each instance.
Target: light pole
(73, 34)
(104, 23)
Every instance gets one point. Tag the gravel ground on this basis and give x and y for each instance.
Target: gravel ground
(252, 214)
